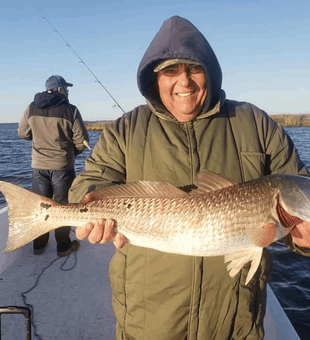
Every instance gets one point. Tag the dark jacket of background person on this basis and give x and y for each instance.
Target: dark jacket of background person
(156, 295)
(56, 129)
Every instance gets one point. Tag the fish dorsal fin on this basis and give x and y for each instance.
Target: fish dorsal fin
(208, 181)
(137, 189)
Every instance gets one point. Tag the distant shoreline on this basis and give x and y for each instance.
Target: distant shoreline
(292, 120)
(97, 126)
(288, 120)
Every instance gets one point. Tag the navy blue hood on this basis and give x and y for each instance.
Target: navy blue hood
(179, 38)
(45, 100)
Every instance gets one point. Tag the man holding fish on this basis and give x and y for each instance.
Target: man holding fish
(205, 180)
(186, 126)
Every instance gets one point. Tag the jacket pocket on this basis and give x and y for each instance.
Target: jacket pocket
(253, 164)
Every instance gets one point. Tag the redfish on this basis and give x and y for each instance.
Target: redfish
(219, 218)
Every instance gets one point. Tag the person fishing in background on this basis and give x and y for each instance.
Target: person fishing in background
(58, 134)
(186, 126)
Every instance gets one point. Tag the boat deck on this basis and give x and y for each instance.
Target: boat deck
(76, 304)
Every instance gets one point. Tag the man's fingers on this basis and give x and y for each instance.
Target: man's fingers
(110, 235)
(88, 198)
(96, 234)
(82, 233)
(101, 231)
(109, 230)
(119, 240)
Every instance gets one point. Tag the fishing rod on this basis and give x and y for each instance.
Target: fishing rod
(81, 61)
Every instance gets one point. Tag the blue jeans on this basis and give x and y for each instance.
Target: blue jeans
(53, 184)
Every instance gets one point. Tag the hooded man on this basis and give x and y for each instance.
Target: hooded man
(186, 126)
(57, 132)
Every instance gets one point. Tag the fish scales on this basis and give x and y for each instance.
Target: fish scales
(219, 218)
(162, 218)
(205, 215)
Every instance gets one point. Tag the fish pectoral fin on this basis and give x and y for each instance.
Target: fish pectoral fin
(301, 234)
(240, 258)
(263, 236)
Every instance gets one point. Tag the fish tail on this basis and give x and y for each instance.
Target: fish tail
(25, 221)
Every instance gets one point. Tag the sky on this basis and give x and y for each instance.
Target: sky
(262, 46)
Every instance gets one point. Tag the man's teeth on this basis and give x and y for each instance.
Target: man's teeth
(185, 94)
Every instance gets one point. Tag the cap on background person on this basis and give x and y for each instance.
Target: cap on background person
(54, 82)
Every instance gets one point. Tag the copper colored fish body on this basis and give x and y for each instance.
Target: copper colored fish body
(219, 218)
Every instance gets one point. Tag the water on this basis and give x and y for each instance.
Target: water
(15, 156)
(291, 277)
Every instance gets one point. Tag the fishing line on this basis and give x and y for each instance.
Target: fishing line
(23, 294)
(81, 61)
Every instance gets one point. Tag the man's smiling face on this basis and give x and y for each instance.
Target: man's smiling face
(182, 89)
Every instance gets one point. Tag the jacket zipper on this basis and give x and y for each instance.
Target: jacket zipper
(190, 148)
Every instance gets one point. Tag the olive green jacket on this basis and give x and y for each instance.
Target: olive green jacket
(156, 295)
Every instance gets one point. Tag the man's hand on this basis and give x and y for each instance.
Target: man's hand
(102, 231)
(301, 234)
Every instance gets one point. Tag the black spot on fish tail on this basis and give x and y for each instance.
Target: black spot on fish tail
(83, 210)
(45, 205)
(46, 217)
(128, 206)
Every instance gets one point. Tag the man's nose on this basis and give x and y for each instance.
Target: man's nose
(184, 77)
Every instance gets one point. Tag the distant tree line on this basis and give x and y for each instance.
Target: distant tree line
(292, 119)
(283, 119)
(96, 126)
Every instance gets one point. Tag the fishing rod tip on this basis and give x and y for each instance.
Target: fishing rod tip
(87, 145)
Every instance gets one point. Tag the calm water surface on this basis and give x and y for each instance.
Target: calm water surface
(291, 277)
